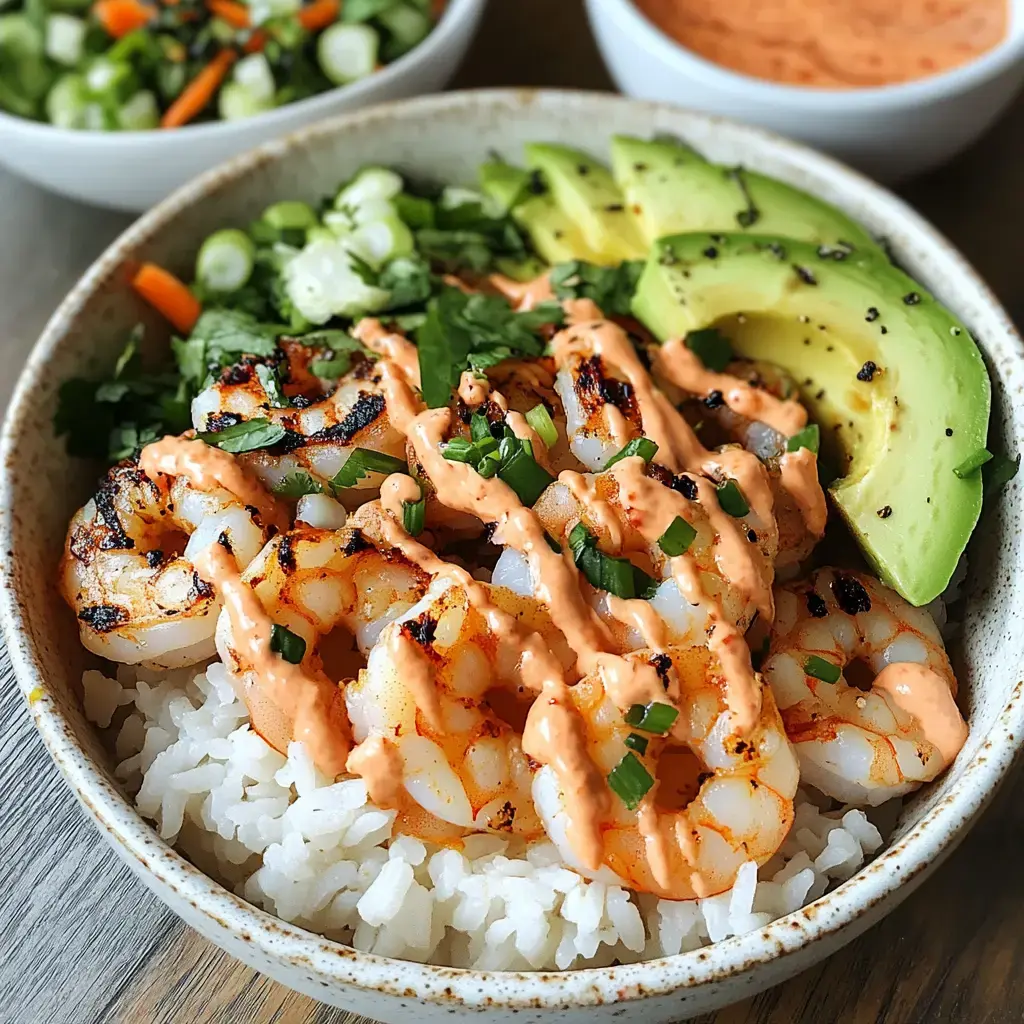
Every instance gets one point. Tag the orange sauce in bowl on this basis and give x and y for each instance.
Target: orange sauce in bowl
(834, 44)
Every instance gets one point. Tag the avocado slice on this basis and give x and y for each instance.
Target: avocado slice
(554, 235)
(585, 192)
(894, 380)
(670, 188)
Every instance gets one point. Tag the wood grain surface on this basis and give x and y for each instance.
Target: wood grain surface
(83, 943)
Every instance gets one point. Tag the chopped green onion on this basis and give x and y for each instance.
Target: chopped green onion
(630, 781)
(458, 449)
(606, 572)
(540, 419)
(653, 717)
(637, 742)
(488, 466)
(809, 438)
(821, 669)
(730, 497)
(247, 436)
(999, 472)
(289, 645)
(677, 538)
(479, 428)
(296, 485)
(641, 446)
(363, 461)
(331, 369)
(973, 463)
(711, 347)
(526, 476)
(290, 214)
(414, 514)
(485, 446)
(226, 260)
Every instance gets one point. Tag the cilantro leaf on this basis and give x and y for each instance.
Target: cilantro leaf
(611, 288)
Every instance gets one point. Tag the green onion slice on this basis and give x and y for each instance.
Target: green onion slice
(642, 446)
(488, 466)
(540, 419)
(637, 742)
(363, 461)
(630, 781)
(653, 717)
(711, 347)
(606, 572)
(973, 463)
(809, 437)
(479, 427)
(414, 514)
(526, 476)
(289, 645)
(821, 669)
(677, 538)
(248, 436)
(731, 498)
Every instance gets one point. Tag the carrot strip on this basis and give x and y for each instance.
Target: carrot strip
(199, 92)
(119, 17)
(256, 41)
(234, 13)
(169, 296)
(319, 14)
(437, 8)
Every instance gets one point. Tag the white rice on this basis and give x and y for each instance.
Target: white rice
(320, 855)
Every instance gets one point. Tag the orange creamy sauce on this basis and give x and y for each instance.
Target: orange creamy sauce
(834, 44)
(298, 701)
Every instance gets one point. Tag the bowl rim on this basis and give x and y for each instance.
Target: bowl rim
(929, 839)
(809, 98)
(364, 88)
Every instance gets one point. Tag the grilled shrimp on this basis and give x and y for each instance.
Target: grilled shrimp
(855, 739)
(717, 800)
(127, 569)
(446, 691)
(607, 505)
(337, 590)
(325, 422)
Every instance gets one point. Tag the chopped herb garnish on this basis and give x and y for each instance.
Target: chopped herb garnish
(526, 476)
(414, 515)
(289, 645)
(654, 717)
(297, 484)
(488, 466)
(809, 438)
(614, 574)
(479, 428)
(711, 347)
(999, 472)
(247, 436)
(271, 382)
(821, 669)
(610, 288)
(731, 498)
(458, 449)
(363, 461)
(973, 463)
(637, 742)
(641, 446)
(630, 781)
(540, 419)
(677, 538)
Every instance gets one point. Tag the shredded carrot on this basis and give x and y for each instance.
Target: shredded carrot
(119, 17)
(256, 41)
(437, 8)
(166, 294)
(199, 92)
(234, 13)
(319, 14)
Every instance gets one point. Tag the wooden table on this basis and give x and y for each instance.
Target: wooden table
(84, 943)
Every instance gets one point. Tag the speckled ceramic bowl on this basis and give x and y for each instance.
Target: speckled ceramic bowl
(446, 137)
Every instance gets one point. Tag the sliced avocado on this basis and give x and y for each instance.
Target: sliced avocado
(670, 188)
(554, 235)
(894, 380)
(587, 195)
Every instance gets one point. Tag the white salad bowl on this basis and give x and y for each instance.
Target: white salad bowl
(890, 132)
(133, 170)
(445, 138)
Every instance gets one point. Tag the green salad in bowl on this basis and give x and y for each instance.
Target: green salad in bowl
(129, 65)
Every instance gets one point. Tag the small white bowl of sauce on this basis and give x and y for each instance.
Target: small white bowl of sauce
(894, 87)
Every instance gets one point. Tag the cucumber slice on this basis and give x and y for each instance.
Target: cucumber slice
(407, 27)
(140, 113)
(65, 36)
(254, 74)
(66, 102)
(235, 102)
(369, 184)
(290, 214)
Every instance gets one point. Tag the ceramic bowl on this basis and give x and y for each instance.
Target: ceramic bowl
(133, 170)
(890, 132)
(445, 137)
